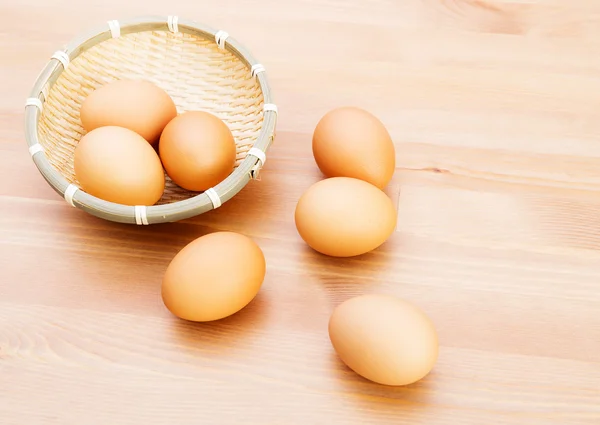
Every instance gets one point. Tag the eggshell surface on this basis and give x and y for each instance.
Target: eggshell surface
(384, 339)
(118, 165)
(197, 150)
(344, 217)
(351, 142)
(137, 105)
(213, 277)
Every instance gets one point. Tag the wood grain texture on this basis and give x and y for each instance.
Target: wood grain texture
(494, 109)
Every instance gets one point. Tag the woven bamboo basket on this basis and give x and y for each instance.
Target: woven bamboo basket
(199, 67)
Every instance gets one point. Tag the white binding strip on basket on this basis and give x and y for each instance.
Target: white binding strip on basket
(270, 107)
(220, 38)
(69, 193)
(214, 197)
(115, 28)
(172, 23)
(62, 57)
(141, 217)
(259, 154)
(257, 68)
(34, 101)
(37, 148)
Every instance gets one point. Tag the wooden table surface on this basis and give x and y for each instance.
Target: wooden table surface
(494, 108)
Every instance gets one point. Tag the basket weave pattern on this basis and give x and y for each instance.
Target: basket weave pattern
(191, 69)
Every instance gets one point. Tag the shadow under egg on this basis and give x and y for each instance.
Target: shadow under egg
(224, 336)
(357, 271)
(369, 396)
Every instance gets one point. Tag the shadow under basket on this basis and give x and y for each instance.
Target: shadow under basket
(200, 68)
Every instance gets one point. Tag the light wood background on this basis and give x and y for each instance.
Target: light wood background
(494, 107)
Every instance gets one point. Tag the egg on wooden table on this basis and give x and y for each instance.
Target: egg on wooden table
(118, 165)
(384, 339)
(213, 277)
(344, 217)
(351, 142)
(137, 105)
(197, 150)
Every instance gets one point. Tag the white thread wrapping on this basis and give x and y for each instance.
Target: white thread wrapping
(62, 57)
(256, 69)
(115, 28)
(214, 197)
(34, 101)
(141, 218)
(69, 193)
(270, 107)
(35, 149)
(172, 23)
(220, 38)
(259, 154)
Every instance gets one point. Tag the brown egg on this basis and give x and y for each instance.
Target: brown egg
(198, 150)
(384, 339)
(118, 165)
(343, 217)
(137, 105)
(351, 142)
(213, 277)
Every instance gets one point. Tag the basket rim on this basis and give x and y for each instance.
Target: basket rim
(213, 198)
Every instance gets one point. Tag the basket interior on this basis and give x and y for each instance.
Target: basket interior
(192, 70)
